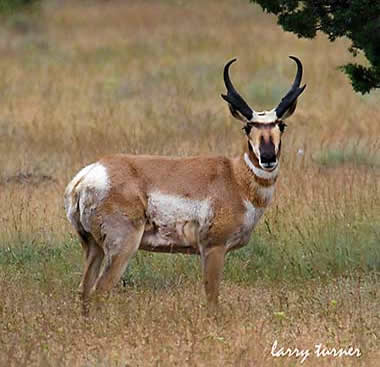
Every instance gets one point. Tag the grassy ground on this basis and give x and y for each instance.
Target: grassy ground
(78, 81)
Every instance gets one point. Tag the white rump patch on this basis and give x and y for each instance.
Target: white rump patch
(88, 187)
(95, 176)
(251, 216)
(258, 171)
(77, 178)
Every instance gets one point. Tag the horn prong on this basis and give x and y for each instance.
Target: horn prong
(234, 99)
(293, 93)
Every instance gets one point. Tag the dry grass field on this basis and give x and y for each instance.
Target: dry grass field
(79, 80)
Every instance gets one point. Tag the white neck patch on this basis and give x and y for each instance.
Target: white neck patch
(258, 171)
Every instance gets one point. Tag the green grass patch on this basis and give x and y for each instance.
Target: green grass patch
(331, 248)
(322, 249)
(42, 262)
(352, 154)
(160, 271)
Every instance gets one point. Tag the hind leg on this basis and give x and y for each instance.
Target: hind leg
(93, 257)
(122, 239)
(86, 251)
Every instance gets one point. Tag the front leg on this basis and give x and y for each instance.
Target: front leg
(212, 266)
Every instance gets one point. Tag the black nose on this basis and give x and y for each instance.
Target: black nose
(268, 157)
(267, 152)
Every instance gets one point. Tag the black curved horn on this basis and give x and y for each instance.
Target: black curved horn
(235, 101)
(290, 99)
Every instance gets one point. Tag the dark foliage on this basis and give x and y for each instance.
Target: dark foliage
(358, 20)
(9, 6)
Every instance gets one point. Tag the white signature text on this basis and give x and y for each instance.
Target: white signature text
(319, 351)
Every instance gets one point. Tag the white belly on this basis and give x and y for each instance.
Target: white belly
(175, 221)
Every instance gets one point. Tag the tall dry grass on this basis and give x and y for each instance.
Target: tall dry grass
(85, 79)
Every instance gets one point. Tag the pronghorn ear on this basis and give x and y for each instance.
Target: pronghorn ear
(288, 103)
(238, 107)
(234, 111)
(289, 111)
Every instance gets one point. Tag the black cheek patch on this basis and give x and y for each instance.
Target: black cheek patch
(282, 126)
(247, 128)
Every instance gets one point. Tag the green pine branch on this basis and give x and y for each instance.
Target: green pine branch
(358, 20)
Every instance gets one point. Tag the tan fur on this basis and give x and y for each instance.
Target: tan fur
(196, 205)
(119, 220)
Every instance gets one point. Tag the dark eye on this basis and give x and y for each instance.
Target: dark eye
(282, 126)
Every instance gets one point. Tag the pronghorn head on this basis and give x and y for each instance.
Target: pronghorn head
(264, 129)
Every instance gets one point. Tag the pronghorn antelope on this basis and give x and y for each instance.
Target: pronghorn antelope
(197, 205)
